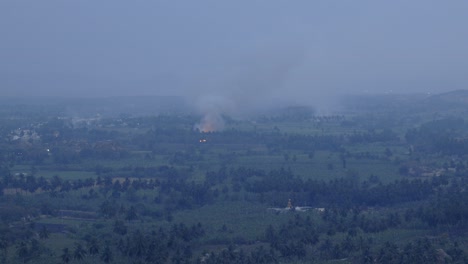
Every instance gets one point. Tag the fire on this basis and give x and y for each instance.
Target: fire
(207, 127)
(211, 122)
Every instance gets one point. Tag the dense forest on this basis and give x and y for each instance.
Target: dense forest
(362, 185)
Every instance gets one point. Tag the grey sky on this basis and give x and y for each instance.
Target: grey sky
(290, 49)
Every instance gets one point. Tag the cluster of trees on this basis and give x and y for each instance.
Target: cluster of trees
(353, 249)
(386, 135)
(419, 251)
(356, 209)
(233, 255)
(446, 136)
(152, 246)
(301, 239)
(346, 192)
(448, 208)
(154, 139)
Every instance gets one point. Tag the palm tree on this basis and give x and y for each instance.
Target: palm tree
(79, 252)
(138, 244)
(22, 251)
(107, 254)
(66, 255)
(44, 233)
(93, 247)
(4, 248)
(131, 214)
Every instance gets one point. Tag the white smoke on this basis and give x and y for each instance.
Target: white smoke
(211, 122)
(212, 108)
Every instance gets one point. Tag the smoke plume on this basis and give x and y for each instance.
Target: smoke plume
(211, 122)
(212, 108)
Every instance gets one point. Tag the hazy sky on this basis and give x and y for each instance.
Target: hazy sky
(291, 49)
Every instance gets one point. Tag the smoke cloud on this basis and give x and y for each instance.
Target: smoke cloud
(210, 122)
(256, 82)
(212, 108)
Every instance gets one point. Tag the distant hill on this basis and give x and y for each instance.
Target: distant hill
(411, 103)
(454, 97)
(104, 106)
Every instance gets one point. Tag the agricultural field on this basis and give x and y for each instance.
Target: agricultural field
(357, 186)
